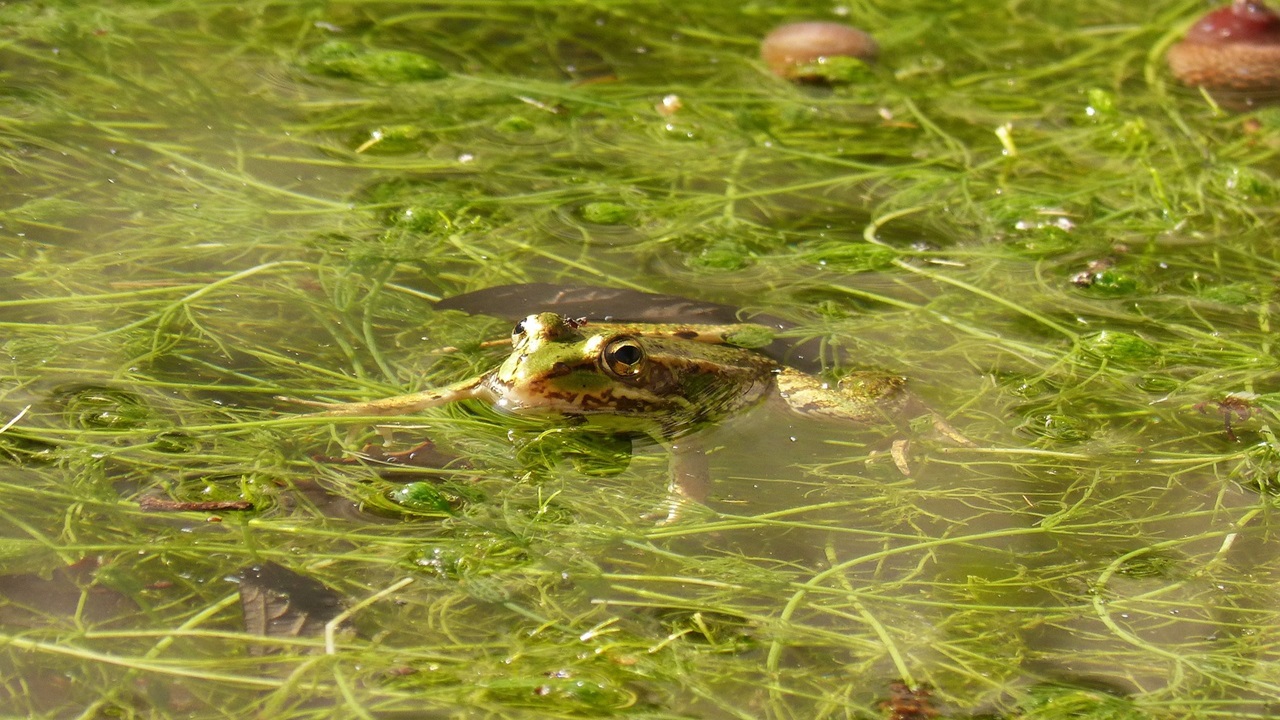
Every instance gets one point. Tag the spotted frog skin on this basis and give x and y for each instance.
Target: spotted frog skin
(666, 381)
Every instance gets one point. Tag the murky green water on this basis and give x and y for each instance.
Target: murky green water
(205, 206)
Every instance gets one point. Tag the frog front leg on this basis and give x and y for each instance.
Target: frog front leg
(690, 480)
(404, 404)
(861, 397)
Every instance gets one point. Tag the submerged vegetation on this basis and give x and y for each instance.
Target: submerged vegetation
(208, 205)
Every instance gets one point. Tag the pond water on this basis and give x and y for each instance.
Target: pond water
(207, 206)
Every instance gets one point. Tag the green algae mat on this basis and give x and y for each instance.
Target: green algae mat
(1071, 258)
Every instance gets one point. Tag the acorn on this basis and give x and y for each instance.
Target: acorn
(791, 50)
(1234, 49)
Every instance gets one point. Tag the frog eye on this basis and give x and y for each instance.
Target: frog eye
(518, 330)
(623, 357)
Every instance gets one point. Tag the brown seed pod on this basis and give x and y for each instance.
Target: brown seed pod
(1234, 49)
(787, 49)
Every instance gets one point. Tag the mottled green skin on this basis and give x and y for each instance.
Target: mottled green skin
(557, 366)
(662, 380)
(684, 377)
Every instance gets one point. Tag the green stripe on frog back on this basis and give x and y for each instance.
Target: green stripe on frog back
(746, 335)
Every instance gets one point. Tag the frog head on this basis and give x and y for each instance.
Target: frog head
(563, 365)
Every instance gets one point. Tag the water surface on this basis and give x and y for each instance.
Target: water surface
(1071, 259)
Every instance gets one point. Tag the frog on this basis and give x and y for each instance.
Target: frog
(666, 381)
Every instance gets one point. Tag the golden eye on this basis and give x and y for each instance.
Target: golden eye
(623, 357)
